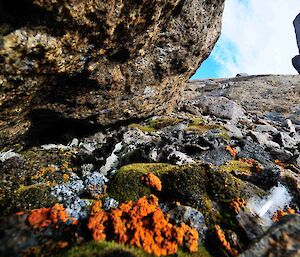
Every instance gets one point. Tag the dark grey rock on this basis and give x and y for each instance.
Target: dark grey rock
(296, 23)
(242, 75)
(281, 240)
(296, 63)
(186, 214)
(217, 156)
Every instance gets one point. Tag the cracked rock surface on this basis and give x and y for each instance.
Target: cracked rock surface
(98, 62)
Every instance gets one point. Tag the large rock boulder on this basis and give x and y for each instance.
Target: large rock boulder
(98, 62)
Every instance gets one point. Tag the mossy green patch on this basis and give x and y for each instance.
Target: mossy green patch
(113, 249)
(196, 121)
(163, 122)
(185, 184)
(236, 165)
(142, 128)
(199, 126)
(196, 185)
(104, 249)
(26, 198)
(27, 182)
(127, 184)
(225, 187)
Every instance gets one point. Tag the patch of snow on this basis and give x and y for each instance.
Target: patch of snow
(8, 155)
(112, 161)
(54, 146)
(265, 208)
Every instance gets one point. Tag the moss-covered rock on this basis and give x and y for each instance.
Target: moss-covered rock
(113, 249)
(204, 128)
(127, 184)
(26, 181)
(27, 198)
(163, 122)
(239, 166)
(196, 185)
(103, 249)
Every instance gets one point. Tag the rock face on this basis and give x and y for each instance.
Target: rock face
(272, 96)
(282, 239)
(98, 61)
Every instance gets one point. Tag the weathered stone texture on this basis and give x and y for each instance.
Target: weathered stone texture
(99, 61)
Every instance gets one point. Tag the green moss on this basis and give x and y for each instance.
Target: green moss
(225, 187)
(142, 128)
(103, 249)
(224, 134)
(27, 198)
(185, 184)
(196, 121)
(164, 122)
(127, 184)
(196, 185)
(202, 128)
(236, 165)
(113, 249)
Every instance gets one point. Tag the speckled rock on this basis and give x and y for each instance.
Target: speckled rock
(263, 95)
(281, 240)
(98, 61)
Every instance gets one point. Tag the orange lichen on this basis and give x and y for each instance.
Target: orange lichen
(65, 167)
(222, 238)
(44, 170)
(62, 244)
(142, 224)
(237, 204)
(281, 213)
(231, 150)
(256, 166)
(152, 181)
(20, 213)
(39, 218)
(44, 217)
(97, 221)
(58, 213)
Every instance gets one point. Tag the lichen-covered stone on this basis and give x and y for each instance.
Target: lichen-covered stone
(99, 61)
(196, 185)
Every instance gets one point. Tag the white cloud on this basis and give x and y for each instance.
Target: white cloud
(257, 37)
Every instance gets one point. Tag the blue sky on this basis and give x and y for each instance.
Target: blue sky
(257, 38)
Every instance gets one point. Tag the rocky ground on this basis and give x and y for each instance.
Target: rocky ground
(225, 162)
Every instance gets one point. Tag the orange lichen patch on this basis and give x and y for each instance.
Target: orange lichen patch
(222, 238)
(62, 244)
(97, 221)
(256, 166)
(237, 204)
(279, 162)
(20, 213)
(44, 217)
(58, 213)
(65, 167)
(281, 213)
(66, 177)
(152, 181)
(44, 170)
(39, 218)
(142, 224)
(231, 150)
